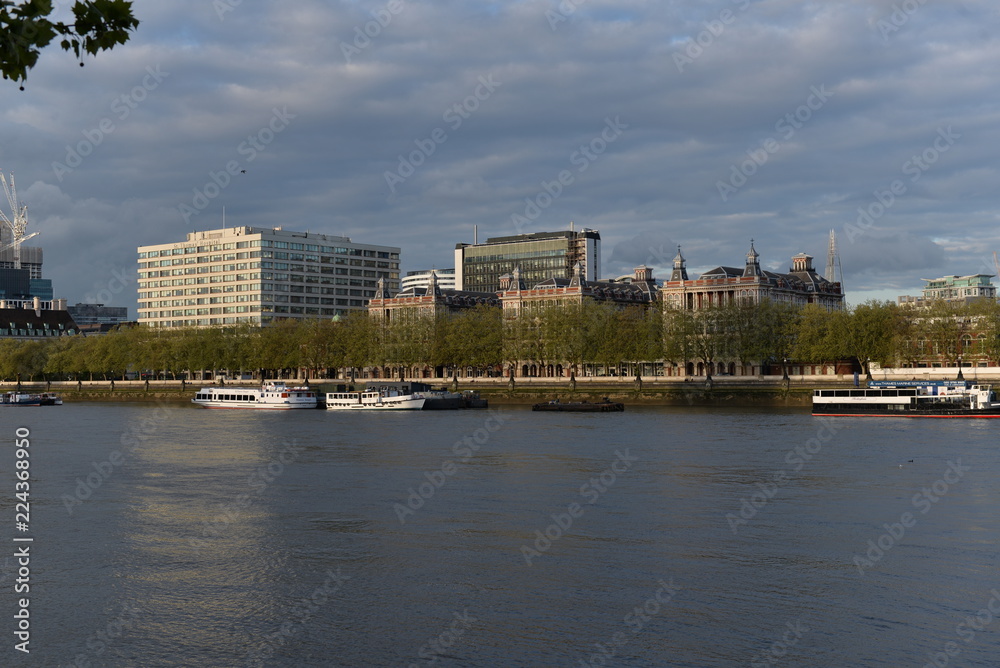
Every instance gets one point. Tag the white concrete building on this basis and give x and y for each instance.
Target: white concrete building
(422, 278)
(256, 275)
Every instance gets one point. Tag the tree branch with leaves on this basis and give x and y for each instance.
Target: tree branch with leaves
(25, 29)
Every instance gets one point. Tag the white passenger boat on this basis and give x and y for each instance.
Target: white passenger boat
(273, 396)
(941, 398)
(376, 400)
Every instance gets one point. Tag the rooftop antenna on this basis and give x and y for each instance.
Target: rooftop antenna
(475, 235)
(19, 225)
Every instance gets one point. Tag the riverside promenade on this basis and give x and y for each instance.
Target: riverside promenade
(772, 390)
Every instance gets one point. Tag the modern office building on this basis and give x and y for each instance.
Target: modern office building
(31, 256)
(538, 256)
(26, 282)
(801, 285)
(445, 279)
(16, 285)
(953, 289)
(257, 275)
(98, 314)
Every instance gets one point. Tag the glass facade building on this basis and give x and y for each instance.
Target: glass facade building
(539, 256)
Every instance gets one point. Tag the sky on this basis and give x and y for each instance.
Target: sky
(662, 123)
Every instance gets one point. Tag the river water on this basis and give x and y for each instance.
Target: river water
(178, 536)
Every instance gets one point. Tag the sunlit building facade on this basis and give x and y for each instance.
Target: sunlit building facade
(257, 275)
(539, 256)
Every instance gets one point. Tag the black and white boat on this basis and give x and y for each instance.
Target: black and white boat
(273, 396)
(917, 398)
(374, 400)
(19, 399)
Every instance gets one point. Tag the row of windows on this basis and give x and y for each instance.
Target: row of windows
(266, 243)
(271, 255)
(220, 268)
(230, 299)
(232, 320)
(262, 314)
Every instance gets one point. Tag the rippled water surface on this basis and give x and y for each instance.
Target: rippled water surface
(675, 537)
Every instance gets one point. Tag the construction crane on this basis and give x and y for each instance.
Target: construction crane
(19, 225)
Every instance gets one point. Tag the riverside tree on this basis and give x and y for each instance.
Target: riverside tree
(25, 29)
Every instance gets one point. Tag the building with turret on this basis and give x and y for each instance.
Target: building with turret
(637, 290)
(430, 300)
(724, 285)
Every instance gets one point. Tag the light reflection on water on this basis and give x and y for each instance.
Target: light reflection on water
(195, 552)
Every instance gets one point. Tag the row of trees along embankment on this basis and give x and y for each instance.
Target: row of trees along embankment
(593, 333)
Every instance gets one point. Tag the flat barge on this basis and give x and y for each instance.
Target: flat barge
(580, 406)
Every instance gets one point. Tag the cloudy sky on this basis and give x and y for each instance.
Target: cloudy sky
(658, 123)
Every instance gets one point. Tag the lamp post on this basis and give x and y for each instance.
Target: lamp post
(868, 368)
(784, 369)
(960, 376)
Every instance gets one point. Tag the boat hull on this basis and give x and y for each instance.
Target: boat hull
(272, 397)
(386, 405)
(609, 407)
(961, 413)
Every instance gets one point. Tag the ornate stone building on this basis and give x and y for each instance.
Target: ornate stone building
(722, 285)
(425, 301)
(638, 289)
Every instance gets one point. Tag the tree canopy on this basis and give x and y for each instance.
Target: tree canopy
(25, 29)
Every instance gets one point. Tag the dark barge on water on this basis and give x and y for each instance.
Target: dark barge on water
(580, 406)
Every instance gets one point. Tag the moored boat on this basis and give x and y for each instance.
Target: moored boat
(940, 398)
(605, 406)
(272, 396)
(19, 399)
(374, 400)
